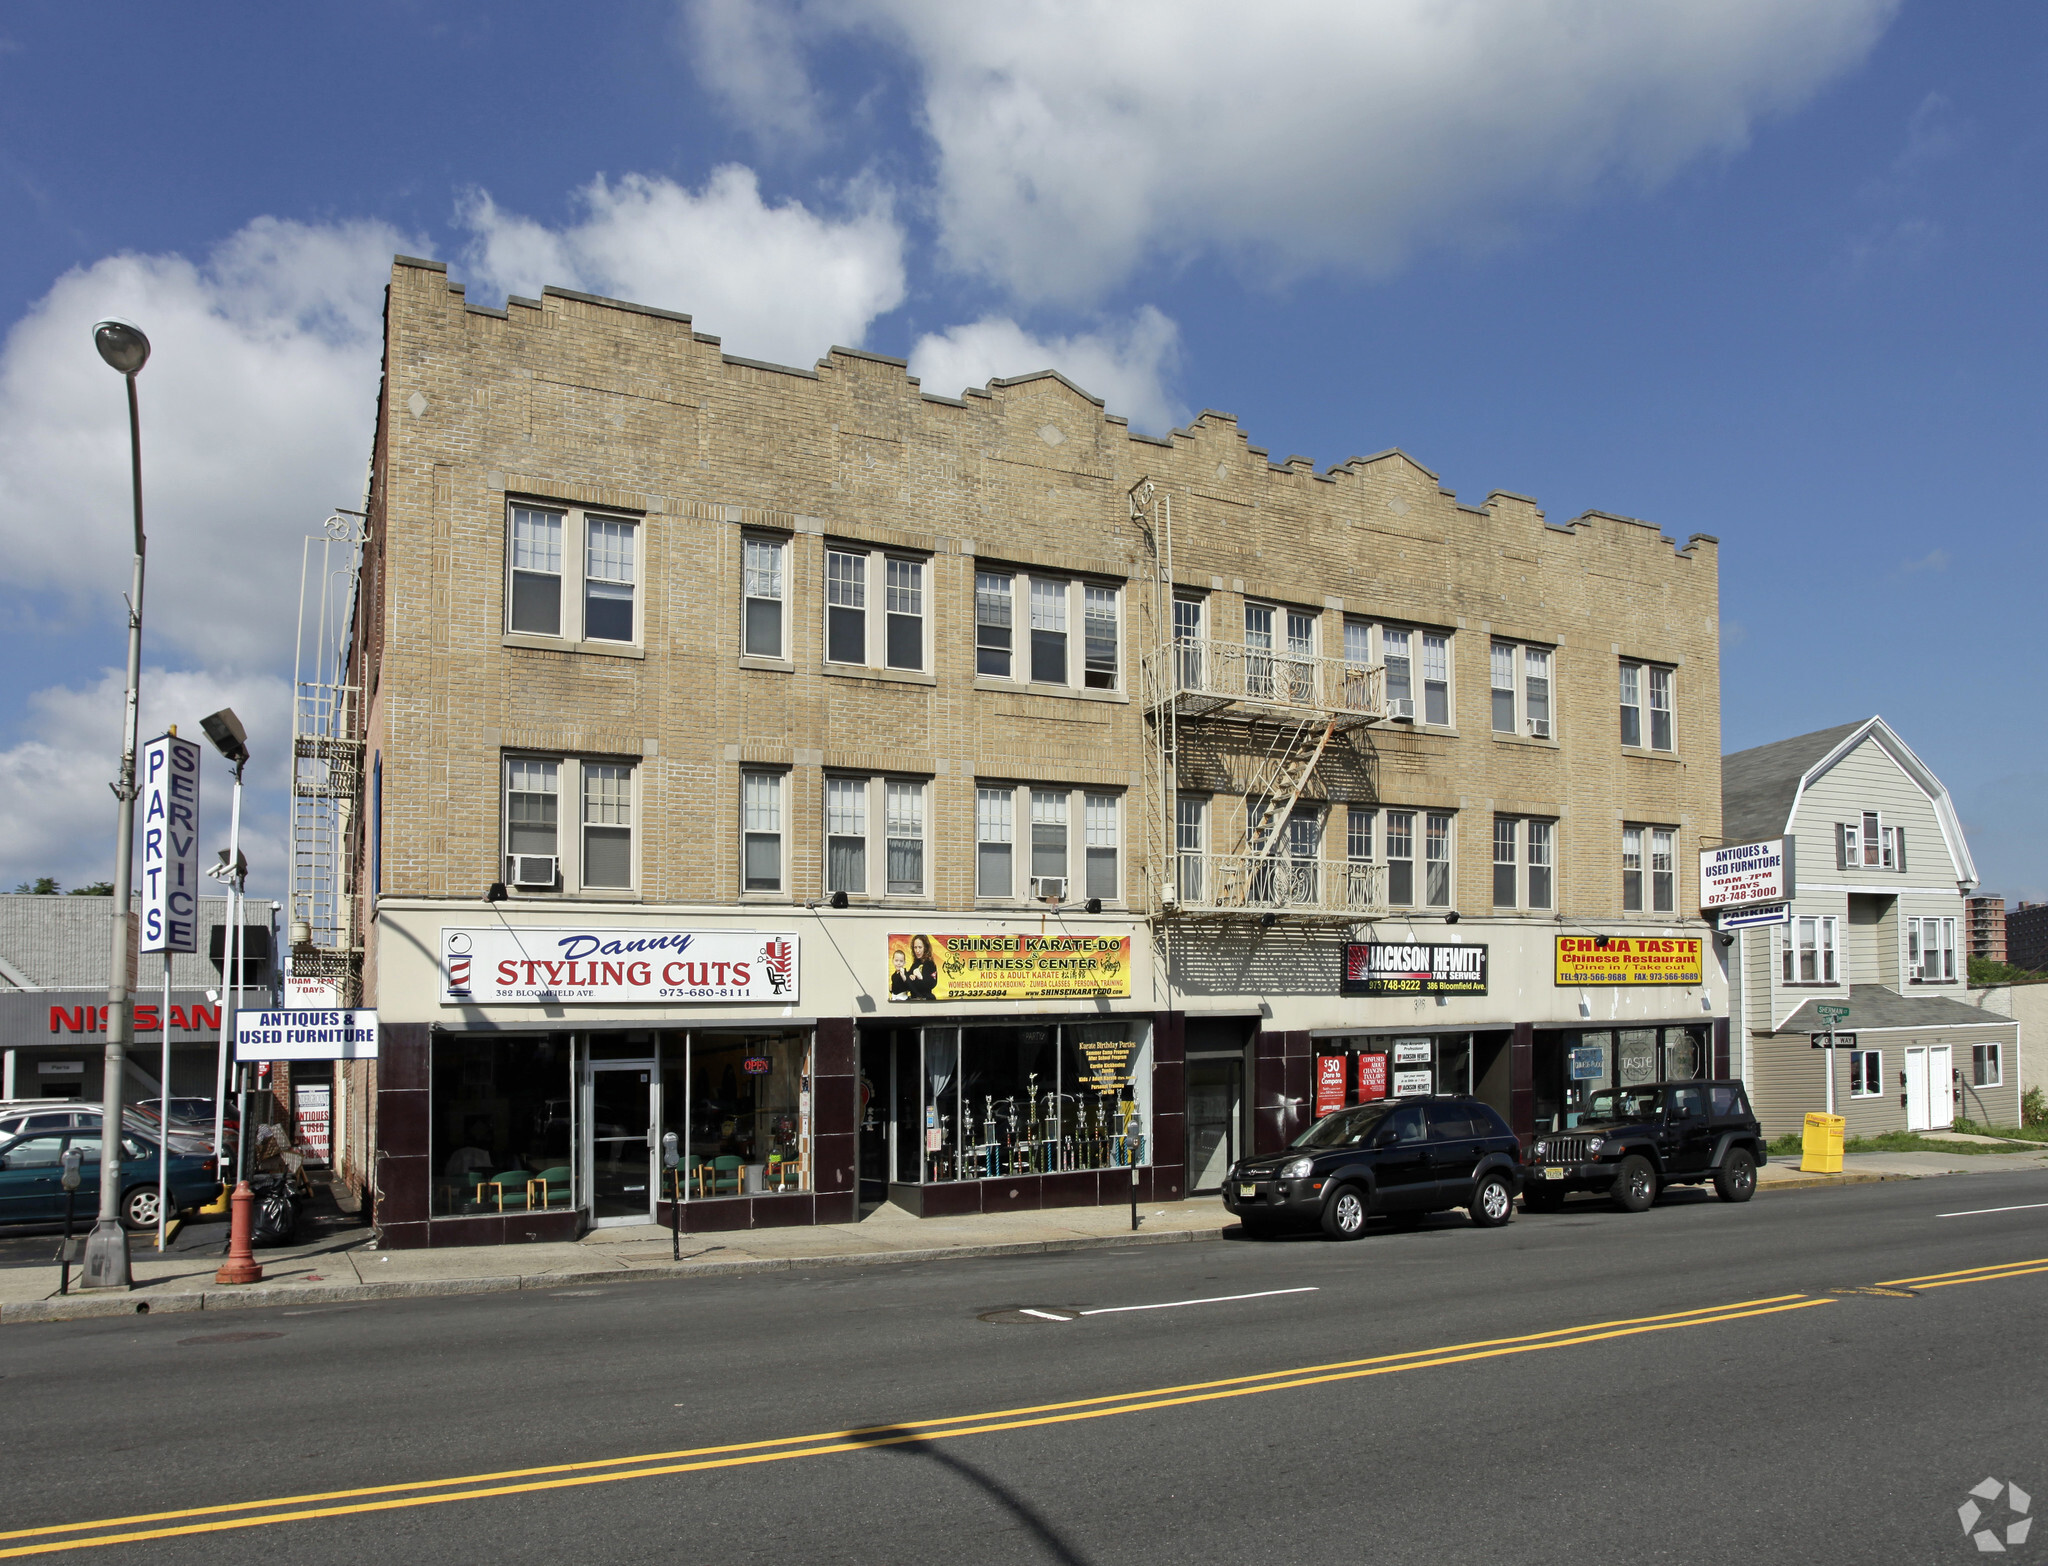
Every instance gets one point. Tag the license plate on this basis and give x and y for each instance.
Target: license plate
(1552, 1174)
(1247, 1190)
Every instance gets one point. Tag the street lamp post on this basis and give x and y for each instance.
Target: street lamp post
(106, 1249)
(232, 741)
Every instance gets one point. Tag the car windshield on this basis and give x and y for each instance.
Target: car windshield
(1618, 1104)
(1346, 1128)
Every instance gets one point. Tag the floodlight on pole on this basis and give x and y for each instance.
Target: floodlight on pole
(125, 349)
(232, 741)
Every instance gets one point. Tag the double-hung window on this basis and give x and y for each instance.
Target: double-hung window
(1436, 852)
(1049, 844)
(607, 825)
(1102, 821)
(846, 836)
(995, 840)
(572, 574)
(1812, 950)
(597, 853)
(1522, 862)
(1190, 842)
(1436, 679)
(1059, 863)
(905, 648)
(846, 606)
(894, 639)
(1987, 1066)
(1416, 694)
(1504, 688)
(1401, 858)
(851, 803)
(1931, 950)
(1631, 869)
(1359, 822)
(1048, 632)
(1188, 618)
(1654, 682)
(1536, 691)
(1258, 649)
(1521, 690)
(1507, 832)
(1542, 861)
(1052, 608)
(1396, 654)
(995, 622)
(764, 571)
(761, 838)
(1870, 844)
(532, 801)
(1100, 637)
(1301, 655)
(1661, 846)
(903, 820)
(1866, 1073)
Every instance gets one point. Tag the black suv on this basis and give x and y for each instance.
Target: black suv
(1402, 1156)
(1631, 1142)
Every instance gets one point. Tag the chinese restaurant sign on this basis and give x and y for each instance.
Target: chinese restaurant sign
(1410, 968)
(524, 964)
(1009, 967)
(1628, 959)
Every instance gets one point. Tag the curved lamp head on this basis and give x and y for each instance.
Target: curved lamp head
(121, 345)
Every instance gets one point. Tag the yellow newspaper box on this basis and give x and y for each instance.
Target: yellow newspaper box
(1821, 1152)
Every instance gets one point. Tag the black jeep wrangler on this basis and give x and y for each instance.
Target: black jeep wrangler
(1631, 1142)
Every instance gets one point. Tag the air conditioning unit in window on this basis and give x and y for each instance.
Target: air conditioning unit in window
(534, 871)
(1537, 728)
(1049, 888)
(1402, 709)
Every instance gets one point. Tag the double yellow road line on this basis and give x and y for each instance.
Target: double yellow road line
(1948, 1280)
(144, 1526)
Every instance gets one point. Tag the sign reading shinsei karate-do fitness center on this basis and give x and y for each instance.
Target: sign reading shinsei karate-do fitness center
(525, 965)
(1740, 874)
(167, 831)
(1009, 967)
(1628, 959)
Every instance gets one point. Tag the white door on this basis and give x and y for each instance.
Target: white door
(1916, 1089)
(1941, 1087)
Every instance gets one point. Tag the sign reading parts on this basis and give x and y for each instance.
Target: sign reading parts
(528, 965)
(1628, 959)
(167, 833)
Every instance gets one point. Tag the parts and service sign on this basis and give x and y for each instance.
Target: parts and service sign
(1628, 959)
(525, 965)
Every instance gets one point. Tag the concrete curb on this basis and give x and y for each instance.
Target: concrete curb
(143, 1302)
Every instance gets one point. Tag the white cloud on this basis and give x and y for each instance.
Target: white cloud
(776, 282)
(1128, 366)
(257, 409)
(1078, 144)
(750, 56)
(53, 784)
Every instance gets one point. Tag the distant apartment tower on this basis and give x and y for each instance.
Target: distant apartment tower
(2026, 936)
(1985, 916)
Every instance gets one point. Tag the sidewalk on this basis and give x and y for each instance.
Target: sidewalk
(348, 1269)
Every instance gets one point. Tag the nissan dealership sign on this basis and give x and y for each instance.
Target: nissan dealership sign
(526, 965)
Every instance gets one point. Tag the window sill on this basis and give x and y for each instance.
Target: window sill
(861, 671)
(1643, 753)
(1001, 905)
(592, 895)
(561, 644)
(768, 665)
(1526, 739)
(983, 682)
(1410, 726)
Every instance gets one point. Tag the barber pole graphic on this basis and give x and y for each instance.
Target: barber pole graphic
(457, 960)
(778, 961)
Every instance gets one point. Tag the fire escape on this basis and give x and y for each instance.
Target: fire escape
(1268, 710)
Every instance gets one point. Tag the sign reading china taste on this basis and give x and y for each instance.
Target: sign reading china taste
(525, 964)
(1628, 959)
(1009, 967)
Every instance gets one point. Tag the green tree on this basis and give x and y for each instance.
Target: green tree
(1983, 971)
(42, 886)
(94, 889)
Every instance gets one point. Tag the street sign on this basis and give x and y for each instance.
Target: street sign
(1831, 1013)
(1833, 1040)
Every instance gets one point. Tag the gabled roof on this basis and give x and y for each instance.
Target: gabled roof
(1761, 788)
(1874, 1006)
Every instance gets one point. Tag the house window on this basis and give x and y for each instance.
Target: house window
(532, 792)
(1048, 632)
(1663, 870)
(1301, 655)
(1812, 950)
(1506, 832)
(1187, 638)
(846, 836)
(763, 562)
(1503, 688)
(1358, 824)
(905, 612)
(995, 619)
(1190, 837)
(1541, 860)
(1931, 951)
(1099, 638)
(1631, 869)
(1258, 649)
(1632, 704)
(903, 820)
(608, 579)
(846, 607)
(761, 831)
(1049, 842)
(536, 571)
(1536, 690)
(1394, 653)
(1634, 678)
(1987, 1067)
(1104, 839)
(995, 838)
(1660, 709)
(607, 825)
(1436, 679)
(1436, 849)
(1401, 858)
(1866, 1073)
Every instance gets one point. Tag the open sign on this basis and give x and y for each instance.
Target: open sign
(756, 1066)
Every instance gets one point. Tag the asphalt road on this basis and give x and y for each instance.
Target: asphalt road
(1683, 1385)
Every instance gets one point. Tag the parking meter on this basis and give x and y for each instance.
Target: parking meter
(71, 1160)
(69, 1178)
(672, 1159)
(1132, 1147)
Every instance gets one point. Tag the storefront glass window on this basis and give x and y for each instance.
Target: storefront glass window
(740, 1105)
(501, 1134)
(1685, 1054)
(1637, 1054)
(995, 1101)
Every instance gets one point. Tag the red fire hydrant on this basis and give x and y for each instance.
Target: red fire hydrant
(241, 1265)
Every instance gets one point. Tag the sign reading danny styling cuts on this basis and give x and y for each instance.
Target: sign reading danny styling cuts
(525, 964)
(1410, 968)
(1743, 873)
(305, 1035)
(1628, 959)
(1009, 967)
(167, 831)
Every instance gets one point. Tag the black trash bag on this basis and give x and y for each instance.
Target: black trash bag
(277, 1210)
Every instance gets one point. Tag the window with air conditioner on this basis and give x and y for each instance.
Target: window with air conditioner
(1931, 950)
(1521, 690)
(1418, 665)
(1072, 849)
(532, 801)
(1049, 845)
(597, 853)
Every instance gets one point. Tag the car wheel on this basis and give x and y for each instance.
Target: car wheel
(139, 1208)
(1735, 1180)
(1542, 1201)
(1344, 1214)
(1493, 1203)
(1635, 1184)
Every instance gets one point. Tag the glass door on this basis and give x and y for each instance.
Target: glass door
(620, 1146)
(1215, 1107)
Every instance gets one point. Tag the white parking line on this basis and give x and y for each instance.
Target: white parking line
(1978, 1212)
(1044, 1315)
(1218, 1299)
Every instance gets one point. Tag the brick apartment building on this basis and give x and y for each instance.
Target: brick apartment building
(959, 800)
(1984, 915)
(2026, 936)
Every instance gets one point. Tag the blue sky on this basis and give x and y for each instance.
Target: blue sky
(1772, 273)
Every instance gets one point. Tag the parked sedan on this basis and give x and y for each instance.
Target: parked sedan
(32, 1169)
(22, 1117)
(1404, 1157)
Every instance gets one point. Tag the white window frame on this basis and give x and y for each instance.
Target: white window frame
(1525, 664)
(578, 528)
(1190, 843)
(1943, 932)
(761, 815)
(1190, 630)
(764, 578)
(995, 591)
(1866, 1073)
(1646, 676)
(859, 805)
(847, 825)
(884, 597)
(1997, 1057)
(1663, 870)
(1535, 830)
(1447, 834)
(1027, 801)
(551, 768)
(1826, 946)
(1507, 835)
(625, 808)
(1398, 844)
(572, 823)
(1102, 833)
(995, 825)
(1072, 603)
(1421, 660)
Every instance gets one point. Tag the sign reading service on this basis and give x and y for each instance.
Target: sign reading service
(168, 825)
